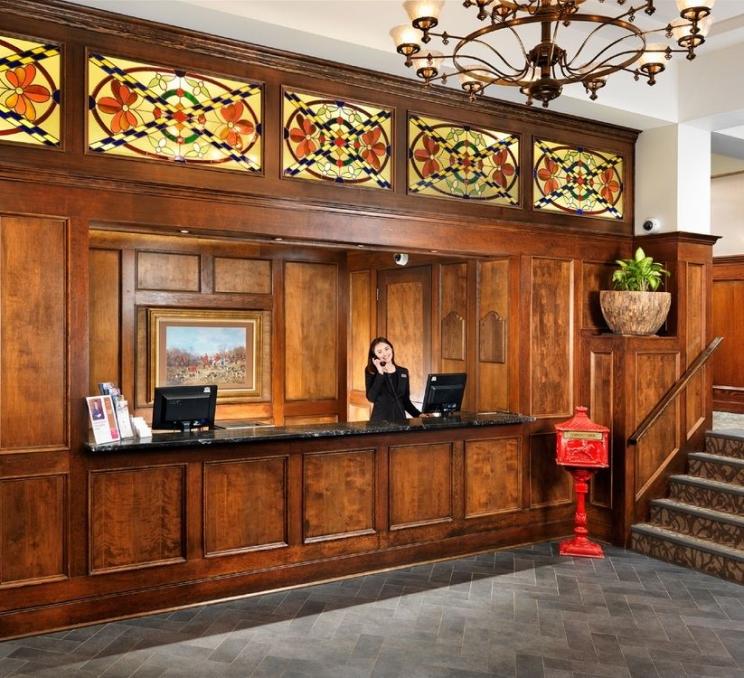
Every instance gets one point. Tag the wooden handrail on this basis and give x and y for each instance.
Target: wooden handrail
(674, 391)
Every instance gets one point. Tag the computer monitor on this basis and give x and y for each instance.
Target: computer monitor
(444, 393)
(184, 407)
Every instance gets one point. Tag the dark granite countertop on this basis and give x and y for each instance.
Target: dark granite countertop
(264, 433)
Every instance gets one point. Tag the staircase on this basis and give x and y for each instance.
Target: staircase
(701, 523)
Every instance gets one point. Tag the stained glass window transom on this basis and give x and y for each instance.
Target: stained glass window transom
(461, 161)
(345, 142)
(29, 91)
(579, 181)
(139, 110)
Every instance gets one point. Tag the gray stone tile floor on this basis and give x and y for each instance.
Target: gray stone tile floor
(728, 422)
(524, 612)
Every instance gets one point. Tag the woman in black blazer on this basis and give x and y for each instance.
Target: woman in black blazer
(387, 384)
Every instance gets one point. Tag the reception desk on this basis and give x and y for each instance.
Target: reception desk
(185, 518)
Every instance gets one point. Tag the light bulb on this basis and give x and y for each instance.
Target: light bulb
(682, 5)
(430, 9)
(404, 35)
(654, 54)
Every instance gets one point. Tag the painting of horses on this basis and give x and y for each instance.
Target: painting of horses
(190, 347)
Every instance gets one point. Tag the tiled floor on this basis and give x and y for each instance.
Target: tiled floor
(523, 612)
(728, 421)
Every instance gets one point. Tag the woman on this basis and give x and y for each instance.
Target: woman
(388, 385)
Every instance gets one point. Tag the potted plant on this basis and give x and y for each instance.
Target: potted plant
(635, 306)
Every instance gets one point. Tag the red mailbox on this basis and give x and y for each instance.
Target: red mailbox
(582, 446)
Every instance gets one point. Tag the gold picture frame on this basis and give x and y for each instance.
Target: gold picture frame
(189, 346)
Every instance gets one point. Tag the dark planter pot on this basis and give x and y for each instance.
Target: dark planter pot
(636, 313)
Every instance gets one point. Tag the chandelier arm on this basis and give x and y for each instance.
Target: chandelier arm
(598, 55)
(602, 69)
(633, 32)
(489, 68)
(465, 41)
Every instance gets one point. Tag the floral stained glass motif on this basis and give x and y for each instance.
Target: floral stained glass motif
(341, 141)
(579, 181)
(29, 92)
(138, 110)
(460, 161)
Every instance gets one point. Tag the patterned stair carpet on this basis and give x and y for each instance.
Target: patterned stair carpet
(524, 612)
(701, 524)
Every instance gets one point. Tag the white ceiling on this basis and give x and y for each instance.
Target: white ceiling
(356, 32)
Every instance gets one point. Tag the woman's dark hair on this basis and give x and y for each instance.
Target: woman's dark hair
(371, 356)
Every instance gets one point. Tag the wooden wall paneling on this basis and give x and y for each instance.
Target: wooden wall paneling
(242, 276)
(493, 476)
(654, 373)
(360, 334)
(206, 273)
(550, 484)
(695, 337)
(310, 331)
(493, 298)
(338, 494)
(33, 333)
(601, 411)
(551, 337)
(278, 358)
(453, 312)
(33, 529)
(342, 341)
(405, 318)
(245, 505)
(137, 517)
(294, 420)
(595, 276)
(105, 317)
(133, 336)
(420, 485)
(168, 271)
(435, 326)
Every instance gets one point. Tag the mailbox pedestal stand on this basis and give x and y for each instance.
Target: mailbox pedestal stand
(580, 545)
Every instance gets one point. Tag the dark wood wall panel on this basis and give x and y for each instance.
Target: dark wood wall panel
(728, 322)
(493, 476)
(245, 505)
(105, 317)
(654, 374)
(33, 333)
(493, 308)
(33, 516)
(164, 271)
(137, 517)
(601, 411)
(551, 337)
(595, 276)
(454, 313)
(360, 326)
(246, 276)
(420, 485)
(310, 331)
(339, 494)
(550, 484)
(404, 317)
(695, 337)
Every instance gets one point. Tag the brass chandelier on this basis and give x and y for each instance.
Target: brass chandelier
(517, 45)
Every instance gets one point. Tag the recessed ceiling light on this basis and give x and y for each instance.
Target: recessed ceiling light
(184, 230)
(360, 245)
(277, 238)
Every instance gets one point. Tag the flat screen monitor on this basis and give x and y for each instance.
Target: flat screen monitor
(444, 393)
(184, 407)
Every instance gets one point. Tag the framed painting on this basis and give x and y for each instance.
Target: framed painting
(189, 346)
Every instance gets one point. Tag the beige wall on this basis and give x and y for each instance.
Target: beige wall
(727, 214)
(723, 164)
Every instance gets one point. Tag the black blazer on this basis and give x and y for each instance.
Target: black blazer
(390, 395)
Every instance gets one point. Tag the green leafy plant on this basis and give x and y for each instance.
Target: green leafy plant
(639, 274)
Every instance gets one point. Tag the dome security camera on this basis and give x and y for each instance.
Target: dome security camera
(652, 225)
(400, 258)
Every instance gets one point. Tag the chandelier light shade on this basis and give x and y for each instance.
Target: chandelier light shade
(540, 46)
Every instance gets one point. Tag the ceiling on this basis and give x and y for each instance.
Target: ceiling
(356, 32)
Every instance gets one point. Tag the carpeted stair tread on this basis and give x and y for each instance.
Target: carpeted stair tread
(710, 514)
(717, 485)
(717, 459)
(726, 444)
(689, 542)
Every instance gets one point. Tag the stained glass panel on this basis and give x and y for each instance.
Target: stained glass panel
(346, 142)
(460, 161)
(29, 91)
(579, 181)
(139, 110)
